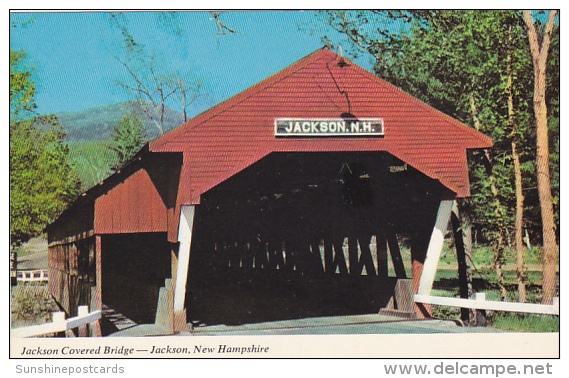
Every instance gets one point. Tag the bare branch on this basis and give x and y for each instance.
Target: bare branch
(222, 29)
(149, 83)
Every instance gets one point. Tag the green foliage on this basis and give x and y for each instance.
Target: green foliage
(31, 304)
(524, 322)
(485, 281)
(127, 139)
(42, 182)
(95, 160)
(22, 88)
(445, 312)
(553, 102)
(483, 256)
(91, 160)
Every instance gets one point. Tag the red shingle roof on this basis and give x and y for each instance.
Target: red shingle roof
(240, 131)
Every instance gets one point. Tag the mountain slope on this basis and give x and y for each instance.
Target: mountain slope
(97, 123)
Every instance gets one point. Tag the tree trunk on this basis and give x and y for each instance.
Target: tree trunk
(521, 270)
(519, 243)
(467, 237)
(464, 273)
(499, 242)
(550, 248)
(499, 237)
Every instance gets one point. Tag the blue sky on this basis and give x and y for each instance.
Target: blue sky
(73, 53)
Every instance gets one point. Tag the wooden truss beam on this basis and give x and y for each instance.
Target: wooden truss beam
(435, 247)
(185, 240)
(73, 238)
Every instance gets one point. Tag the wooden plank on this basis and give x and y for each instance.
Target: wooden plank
(461, 259)
(480, 303)
(434, 249)
(83, 319)
(164, 310)
(234, 255)
(247, 259)
(381, 252)
(138, 210)
(355, 268)
(403, 295)
(58, 324)
(329, 264)
(292, 258)
(309, 258)
(99, 272)
(395, 253)
(72, 239)
(132, 205)
(82, 312)
(185, 238)
(339, 257)
(317, 260)
(276, 253)
(366, 260)
(260, 254)
(122, 204)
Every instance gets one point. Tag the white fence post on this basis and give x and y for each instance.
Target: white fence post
(83, 311)
(480, 298)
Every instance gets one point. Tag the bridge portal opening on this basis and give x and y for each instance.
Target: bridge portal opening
(313, 234)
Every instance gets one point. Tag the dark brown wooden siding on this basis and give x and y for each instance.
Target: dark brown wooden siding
(75, 221)
(72, 272)
(133, 205)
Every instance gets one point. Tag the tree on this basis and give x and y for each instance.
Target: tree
(42, 182)
(91, 160)
(512, 123)
(150, 85)
(539, 53)
(127, 138)
(472, 65)
(22, 88)
(187, 92)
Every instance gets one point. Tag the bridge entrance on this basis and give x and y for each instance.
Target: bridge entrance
(308, 234)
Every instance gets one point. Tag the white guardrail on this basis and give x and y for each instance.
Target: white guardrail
(38, 275)
(480, 303)
(59, 323)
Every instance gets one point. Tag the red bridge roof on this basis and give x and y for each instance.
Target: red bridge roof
(240, 131)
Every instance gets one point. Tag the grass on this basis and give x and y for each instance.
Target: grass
(524, 322)
(485, 281)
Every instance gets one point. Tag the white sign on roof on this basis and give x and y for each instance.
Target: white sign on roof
(302, 127)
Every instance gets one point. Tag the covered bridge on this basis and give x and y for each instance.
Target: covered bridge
(297, 185)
